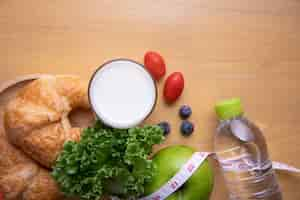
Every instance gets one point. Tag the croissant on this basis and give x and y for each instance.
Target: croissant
(21, 178)
(37, 125)
(37, 122)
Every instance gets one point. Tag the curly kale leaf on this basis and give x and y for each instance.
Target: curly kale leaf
(107, 161)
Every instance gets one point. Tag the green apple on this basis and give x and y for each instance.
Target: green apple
(168, 161)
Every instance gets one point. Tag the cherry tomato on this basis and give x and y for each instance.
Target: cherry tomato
(155, 64)
(173, 87)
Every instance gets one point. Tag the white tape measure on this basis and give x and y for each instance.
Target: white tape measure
(180, 178)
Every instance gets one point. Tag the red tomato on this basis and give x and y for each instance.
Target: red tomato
(173, 87)
(155, 64)
(1, 196)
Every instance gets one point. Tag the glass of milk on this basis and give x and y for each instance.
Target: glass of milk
(122, 93)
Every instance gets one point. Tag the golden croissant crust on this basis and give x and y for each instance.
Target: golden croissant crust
(36, 123)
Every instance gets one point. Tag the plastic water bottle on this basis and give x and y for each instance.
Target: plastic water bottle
(242, 153)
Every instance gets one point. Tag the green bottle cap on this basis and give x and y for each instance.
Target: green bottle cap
(228, 109)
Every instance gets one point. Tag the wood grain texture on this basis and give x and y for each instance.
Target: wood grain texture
(247, 48)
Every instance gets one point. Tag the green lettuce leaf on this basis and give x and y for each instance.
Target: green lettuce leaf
(107, 161)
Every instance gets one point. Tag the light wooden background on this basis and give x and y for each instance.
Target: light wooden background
(225, 48)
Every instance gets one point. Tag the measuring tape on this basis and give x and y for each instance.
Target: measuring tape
(189, 168)
(180, 178)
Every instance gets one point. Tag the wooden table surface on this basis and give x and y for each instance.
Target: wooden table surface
(225, 48)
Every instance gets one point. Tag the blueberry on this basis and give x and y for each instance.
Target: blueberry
(185, 111)
(166, 127)
(186, 128)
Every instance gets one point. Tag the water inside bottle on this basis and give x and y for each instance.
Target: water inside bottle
(242, 152)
